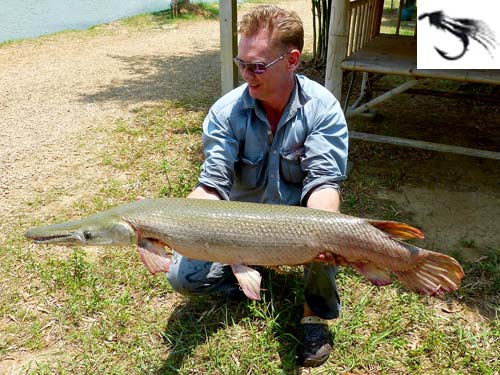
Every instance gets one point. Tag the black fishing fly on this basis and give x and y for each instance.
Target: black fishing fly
(463, 29)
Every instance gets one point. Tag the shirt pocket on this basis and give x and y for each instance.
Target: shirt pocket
(290, 165)
(249, 170)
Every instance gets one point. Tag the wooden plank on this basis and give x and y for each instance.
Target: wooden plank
(425, 145)
(353, 4)
(366, 24)
(352, 21)
(228, 45)
(397, 54)
(379, 99)
(363, 25)
(446, 94)
(357, 23)
(373, 13)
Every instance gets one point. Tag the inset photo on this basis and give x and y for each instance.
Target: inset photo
(458, 34)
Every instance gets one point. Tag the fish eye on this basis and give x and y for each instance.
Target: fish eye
(87, 235)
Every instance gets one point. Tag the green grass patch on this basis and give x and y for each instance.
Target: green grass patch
(112, 317)
(166, 17)
(163, 144)
(99, 311)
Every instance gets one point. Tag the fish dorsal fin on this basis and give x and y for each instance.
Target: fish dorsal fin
(249, 280)
(153, 255)
(397, 230)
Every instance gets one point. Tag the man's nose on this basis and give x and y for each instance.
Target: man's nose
(247, 73)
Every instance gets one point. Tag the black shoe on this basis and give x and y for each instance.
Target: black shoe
(235, 294)
(315, 342)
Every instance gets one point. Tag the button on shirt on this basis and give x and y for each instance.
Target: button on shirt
(245, 162)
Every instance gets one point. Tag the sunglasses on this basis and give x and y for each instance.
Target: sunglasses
(258, 67)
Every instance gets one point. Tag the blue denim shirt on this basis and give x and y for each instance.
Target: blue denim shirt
(245, 162)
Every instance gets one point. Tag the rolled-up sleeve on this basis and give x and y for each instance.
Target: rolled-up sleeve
(326, 148)
(221, 152)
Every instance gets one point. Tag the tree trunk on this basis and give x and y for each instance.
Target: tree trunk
(321, 23)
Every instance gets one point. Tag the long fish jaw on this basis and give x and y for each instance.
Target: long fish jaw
(91, 231)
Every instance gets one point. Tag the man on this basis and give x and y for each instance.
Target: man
(279, 138)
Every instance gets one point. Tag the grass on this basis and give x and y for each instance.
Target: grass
(389, 20)
(98, 311)
(165, 17)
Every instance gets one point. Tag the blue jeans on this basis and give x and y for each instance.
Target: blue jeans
(196, 277)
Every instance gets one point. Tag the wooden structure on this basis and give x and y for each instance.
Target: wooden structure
(356, 44)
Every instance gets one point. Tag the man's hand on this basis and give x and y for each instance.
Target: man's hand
(202, 192)
(327, 199)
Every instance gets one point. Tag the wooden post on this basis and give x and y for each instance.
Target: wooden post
(352, 24)
(228, 45)
(337, 46)
(400, 13)
(378, 17)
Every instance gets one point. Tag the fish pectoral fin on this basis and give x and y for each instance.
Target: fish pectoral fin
(376, 275)
(397, 230)
(249, 280)
(153, 255)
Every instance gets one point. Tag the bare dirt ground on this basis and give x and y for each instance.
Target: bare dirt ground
(57, 89)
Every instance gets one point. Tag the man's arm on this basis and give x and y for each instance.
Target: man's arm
(325, 158)
(327, 199)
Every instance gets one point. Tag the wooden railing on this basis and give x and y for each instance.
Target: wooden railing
(365, 17)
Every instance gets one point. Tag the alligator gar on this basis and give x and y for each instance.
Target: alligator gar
(244, 234)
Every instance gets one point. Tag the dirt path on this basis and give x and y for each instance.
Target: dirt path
(59, 89)
(56, 90)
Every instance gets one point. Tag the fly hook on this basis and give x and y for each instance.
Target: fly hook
(463, 29)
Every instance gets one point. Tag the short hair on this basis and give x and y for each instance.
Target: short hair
(284, 27)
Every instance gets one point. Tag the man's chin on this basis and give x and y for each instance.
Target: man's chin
(254, 91)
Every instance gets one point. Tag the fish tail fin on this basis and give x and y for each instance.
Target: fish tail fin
(433, 274)
(397, 230)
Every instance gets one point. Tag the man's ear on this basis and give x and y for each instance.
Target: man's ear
(294, 59)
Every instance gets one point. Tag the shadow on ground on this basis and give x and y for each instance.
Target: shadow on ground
(198, 321)
(156, 78)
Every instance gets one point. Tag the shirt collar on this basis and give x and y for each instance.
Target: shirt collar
(297, 99)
